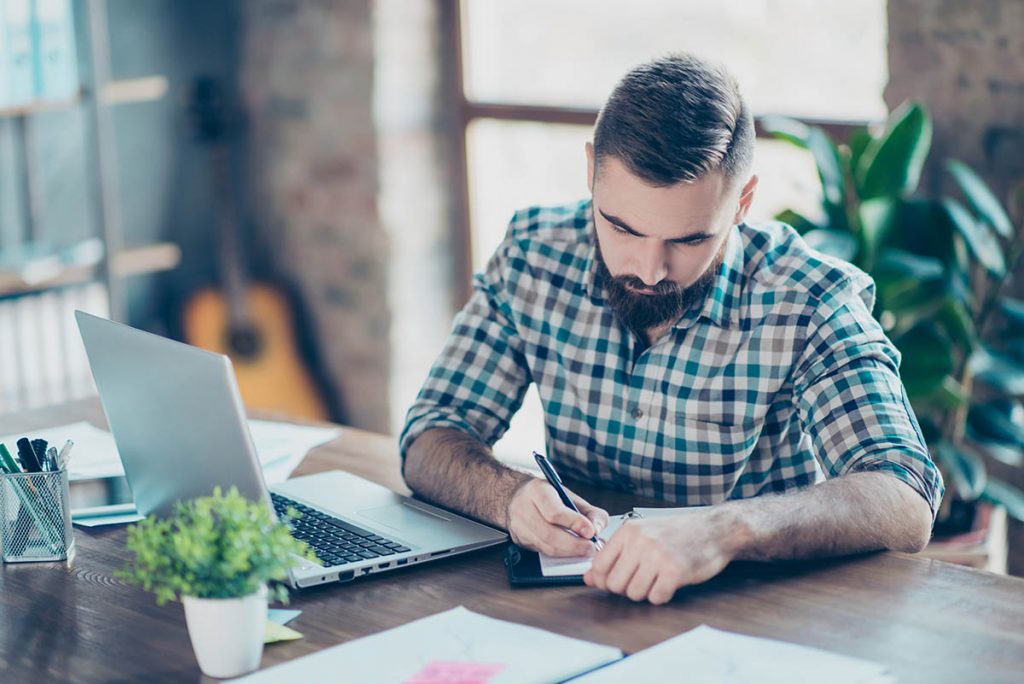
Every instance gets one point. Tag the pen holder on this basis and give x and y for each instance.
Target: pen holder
(35, 516)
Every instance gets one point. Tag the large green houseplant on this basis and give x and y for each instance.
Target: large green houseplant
(216, 554)
(941, 267)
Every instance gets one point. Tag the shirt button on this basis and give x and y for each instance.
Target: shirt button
(637, 413)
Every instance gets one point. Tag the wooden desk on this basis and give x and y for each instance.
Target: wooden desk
(928, 621)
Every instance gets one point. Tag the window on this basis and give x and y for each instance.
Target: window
(530, 76)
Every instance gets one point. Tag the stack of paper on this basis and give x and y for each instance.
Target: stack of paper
(711, 656)
(280, 446)
(454, 646)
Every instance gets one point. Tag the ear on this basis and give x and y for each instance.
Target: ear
(746, 199)
(590, 166)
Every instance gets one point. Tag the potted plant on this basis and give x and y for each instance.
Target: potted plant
(216, 555)
(941, 266)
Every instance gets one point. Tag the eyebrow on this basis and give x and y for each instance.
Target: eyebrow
(693, 237)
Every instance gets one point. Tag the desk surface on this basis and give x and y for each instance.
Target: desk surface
(927, 620)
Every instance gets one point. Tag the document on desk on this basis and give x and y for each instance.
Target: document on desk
(713, 656)
(456, 645)
(281, 447)
(578, 565)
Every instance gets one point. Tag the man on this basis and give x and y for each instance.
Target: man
(681, 354)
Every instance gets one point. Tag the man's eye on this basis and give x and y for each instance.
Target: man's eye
(691, 243)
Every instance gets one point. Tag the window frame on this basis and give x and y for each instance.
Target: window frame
(463, 111)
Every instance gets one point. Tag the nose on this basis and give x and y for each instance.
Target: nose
(652, 262)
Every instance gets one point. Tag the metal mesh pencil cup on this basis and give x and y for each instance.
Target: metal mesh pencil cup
(35, 516)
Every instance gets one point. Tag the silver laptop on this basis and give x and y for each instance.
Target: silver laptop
(180, 428)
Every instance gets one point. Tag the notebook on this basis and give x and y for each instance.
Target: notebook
(577, 566)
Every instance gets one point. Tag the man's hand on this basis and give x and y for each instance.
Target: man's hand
(538, 520)
(650, 559)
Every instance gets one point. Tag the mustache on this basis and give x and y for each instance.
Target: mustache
(665, 287)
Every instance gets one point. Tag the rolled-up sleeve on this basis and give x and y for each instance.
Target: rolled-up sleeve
(851, 401)
(478, 381)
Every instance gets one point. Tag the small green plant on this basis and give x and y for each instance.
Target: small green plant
(219, 546)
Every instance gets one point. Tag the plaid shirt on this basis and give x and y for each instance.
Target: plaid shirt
(779, 379)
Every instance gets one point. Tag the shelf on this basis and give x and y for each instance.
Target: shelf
(155, 258)
(37, 106)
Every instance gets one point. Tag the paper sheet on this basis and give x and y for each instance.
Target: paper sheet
(282, 617)
(712, 656)
(274, 632)
(281, 447)
(526, 654)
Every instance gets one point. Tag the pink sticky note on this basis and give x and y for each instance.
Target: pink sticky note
(455, 672)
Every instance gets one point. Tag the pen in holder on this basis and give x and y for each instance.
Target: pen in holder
(35, 516)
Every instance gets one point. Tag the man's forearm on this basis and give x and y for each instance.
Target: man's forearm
(455, 470)
(854, 513)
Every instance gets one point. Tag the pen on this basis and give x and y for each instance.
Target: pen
(51, 459)
(556, 482)
(65, 454)
(39, 449)
(7, 461)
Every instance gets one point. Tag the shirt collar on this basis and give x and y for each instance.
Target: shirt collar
(722, 299)
(722, 302)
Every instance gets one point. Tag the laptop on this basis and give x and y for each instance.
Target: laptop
(177, 418)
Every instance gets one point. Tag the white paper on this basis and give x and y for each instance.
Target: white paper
(281, 447)
(100, 520)
(578, 565)
(712, 656)
(527, 654)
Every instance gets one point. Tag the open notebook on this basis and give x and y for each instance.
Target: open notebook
(571, 567)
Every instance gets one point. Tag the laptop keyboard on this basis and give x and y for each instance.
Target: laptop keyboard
(334, 541)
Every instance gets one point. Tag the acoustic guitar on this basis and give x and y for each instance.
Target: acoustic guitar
(250, 322)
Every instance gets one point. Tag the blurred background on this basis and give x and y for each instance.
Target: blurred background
(310, 184)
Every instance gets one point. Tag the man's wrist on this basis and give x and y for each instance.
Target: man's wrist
(524, 479)
(734, 529)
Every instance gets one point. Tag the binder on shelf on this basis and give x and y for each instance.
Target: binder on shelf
(18, 52)
(56, 68)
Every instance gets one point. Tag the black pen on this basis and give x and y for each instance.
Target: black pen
(556, 482)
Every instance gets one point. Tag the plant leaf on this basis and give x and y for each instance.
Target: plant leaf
(999, 492)
(801, 223)
(892, 163)
(876, 220)
(999, 370)
(926, 359)
(981, 198)
(824, 151)
(1013, 311)
(998, 421)
(833, 242)
(982, 243)
(966, 469)
(859, 141)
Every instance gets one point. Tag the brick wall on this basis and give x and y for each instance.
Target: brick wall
(965, 60)
(307, 80)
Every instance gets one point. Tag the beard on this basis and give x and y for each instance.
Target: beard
(640, 312)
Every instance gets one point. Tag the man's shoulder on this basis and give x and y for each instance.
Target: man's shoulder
(548, 242)
(780, 265)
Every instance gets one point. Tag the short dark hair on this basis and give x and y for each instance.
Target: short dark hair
(676, 119)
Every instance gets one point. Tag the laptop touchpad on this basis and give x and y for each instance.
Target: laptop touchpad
(402, 516)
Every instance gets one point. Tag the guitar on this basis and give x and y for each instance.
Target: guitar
(251, 323)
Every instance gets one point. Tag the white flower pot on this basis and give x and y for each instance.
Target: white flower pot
(227, 634)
